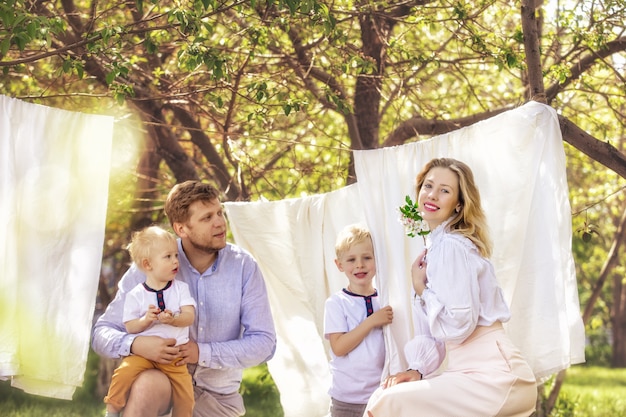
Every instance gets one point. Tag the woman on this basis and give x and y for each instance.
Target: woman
(458, 310)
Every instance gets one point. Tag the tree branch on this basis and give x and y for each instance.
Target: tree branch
(584, 64)
(203, 142)
(600, 151)
(417, 125)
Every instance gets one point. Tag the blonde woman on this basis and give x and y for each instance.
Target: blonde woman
(459, 309)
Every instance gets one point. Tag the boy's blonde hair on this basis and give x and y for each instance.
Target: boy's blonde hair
(350, 236)
(143, 242)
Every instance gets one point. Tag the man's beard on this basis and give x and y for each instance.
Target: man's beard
(205, 248)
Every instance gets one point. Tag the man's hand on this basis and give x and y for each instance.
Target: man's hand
(156, 349)
(189, 352)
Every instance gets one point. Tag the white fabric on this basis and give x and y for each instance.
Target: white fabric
(294, 240)
(422, 352)
(451, 258)
(462, 293)
(54, 177)
(519, 164)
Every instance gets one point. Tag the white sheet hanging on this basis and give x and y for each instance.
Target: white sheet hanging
(54, 177)
(519, 164)
(294, 240)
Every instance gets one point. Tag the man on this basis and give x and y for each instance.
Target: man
(233, 328)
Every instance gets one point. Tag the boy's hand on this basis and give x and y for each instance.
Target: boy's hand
(152, 313)
(382, 316)
(166, 316)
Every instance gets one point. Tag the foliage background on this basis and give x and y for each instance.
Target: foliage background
(267, 99)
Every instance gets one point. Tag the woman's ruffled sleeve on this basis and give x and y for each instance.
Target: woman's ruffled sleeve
(423, 353)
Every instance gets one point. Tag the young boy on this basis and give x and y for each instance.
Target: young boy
(353, 323)
(160, 306)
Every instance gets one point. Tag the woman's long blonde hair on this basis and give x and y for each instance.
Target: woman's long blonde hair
(470, 221)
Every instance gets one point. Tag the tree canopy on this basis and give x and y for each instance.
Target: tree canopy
(234, 90)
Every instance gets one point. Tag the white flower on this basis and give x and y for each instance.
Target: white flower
(411, 219)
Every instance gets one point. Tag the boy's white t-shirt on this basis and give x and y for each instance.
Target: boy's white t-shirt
(356, 375)
(177, 295)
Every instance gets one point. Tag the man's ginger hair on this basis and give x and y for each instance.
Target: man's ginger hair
(183, 195)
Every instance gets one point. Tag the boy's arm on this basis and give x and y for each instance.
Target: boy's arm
(344, 343)
(135, 326)
(184, 318)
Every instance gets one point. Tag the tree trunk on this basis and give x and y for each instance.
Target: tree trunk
(612, 261)
(618, 322)
(105, 370)
(554, 393)
(147, 181)
(530, 27)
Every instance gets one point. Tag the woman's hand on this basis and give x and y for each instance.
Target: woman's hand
(418, 273)
(400, 377)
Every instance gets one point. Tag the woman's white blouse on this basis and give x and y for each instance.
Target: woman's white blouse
(462, 293)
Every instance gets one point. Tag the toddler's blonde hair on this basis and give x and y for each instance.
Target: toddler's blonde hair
(143, 242)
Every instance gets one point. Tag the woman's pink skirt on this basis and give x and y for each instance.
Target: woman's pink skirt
(485, 376)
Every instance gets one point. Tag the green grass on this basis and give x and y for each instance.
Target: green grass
(16, 403)
(592, 392)
(259, 392)
(587, 392)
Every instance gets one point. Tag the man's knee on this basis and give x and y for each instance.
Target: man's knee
(150, 394)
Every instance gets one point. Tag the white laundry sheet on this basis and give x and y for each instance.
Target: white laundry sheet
(519, 164)
(54, 178)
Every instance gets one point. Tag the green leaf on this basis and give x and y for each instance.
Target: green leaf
(5, 44)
